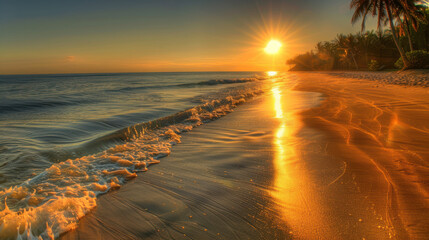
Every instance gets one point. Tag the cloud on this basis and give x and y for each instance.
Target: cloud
(70, 58)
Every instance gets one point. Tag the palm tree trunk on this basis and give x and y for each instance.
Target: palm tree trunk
(410, 42)
(395, 39)
(407, 30)
(354, 60)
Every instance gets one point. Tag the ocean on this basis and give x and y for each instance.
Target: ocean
(67, 138)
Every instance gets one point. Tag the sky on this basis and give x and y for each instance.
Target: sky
(44, 36)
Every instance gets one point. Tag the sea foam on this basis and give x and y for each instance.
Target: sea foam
(52, 202)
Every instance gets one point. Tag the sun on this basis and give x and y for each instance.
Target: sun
(273, 46)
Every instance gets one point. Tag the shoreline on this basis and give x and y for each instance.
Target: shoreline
(348, 164)
(211, 186)
(55, 197)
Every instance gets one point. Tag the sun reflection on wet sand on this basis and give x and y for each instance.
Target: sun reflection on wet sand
(277, 102)
(292, 190)
(283, 151)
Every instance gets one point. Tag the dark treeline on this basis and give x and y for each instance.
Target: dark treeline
(372, 50)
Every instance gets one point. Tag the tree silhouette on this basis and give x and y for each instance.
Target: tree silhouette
(384, 11)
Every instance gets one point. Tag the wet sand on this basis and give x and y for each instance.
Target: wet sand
(382, 135)
(214, 185)
(334, 159)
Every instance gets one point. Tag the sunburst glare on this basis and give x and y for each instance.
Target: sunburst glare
(273, 46)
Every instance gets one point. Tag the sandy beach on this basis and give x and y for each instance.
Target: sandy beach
(381, 134)
(409, 78)
(220, 119)
(315, 157)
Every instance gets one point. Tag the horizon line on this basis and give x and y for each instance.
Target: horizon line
(22, 74)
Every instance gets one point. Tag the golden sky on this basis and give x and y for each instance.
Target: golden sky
(153, 36)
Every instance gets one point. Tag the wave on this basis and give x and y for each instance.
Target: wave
(136, 88)
(52, 202)
(37, 104)
(220, 81)
(195, 84)
(37, 77)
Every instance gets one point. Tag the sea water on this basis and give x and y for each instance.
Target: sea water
(65, 139)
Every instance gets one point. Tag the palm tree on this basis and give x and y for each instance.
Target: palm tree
(383, 10)
(384, 42)
(406, 21)
(404, 27)
(328, 51)
(421, 36)
(367, 42)
(349, 45)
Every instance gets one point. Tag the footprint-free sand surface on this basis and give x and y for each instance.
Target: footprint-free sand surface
(315, 157)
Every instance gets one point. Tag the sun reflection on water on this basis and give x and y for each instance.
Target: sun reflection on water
(272, 73)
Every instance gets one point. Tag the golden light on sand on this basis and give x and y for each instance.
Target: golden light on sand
(277, 102)
(293, 190)
(272, 73)
(273, 47)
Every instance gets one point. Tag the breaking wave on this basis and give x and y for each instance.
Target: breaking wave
(52, 202)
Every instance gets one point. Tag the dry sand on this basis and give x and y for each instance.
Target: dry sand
(419, 78)
(336, 159)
